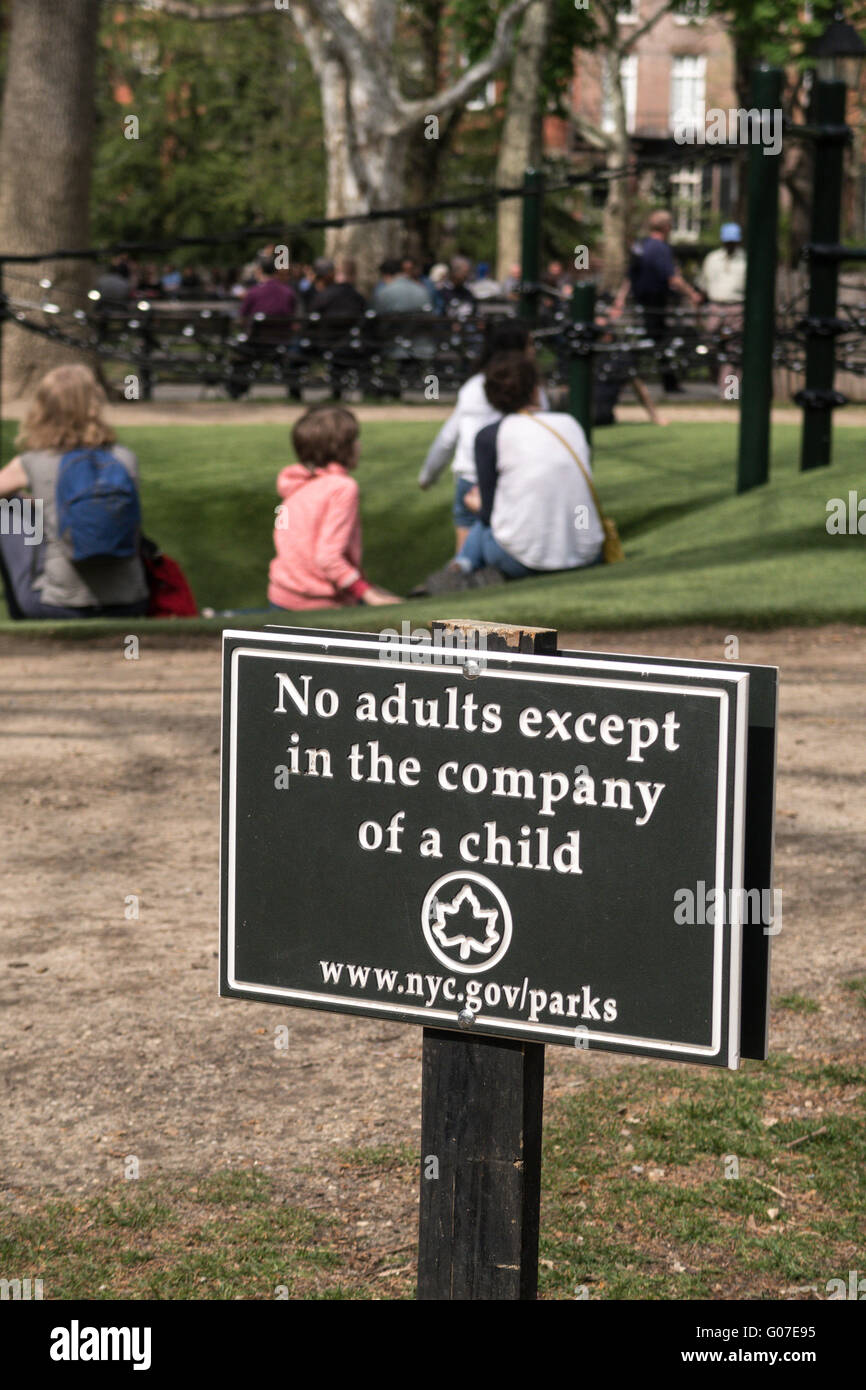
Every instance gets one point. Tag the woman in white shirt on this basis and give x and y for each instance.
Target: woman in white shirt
(533, 505)
(456, 439)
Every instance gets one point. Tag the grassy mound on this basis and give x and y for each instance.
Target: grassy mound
(695, 551)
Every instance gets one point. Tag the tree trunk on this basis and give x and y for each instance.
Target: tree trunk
(616, 210)
(365, 172)
(798, 166)
(368, 122)
(365, 162)
(424, 155)
(46, 147)
(520, 145)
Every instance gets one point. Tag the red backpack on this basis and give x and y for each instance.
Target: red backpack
(170, 594)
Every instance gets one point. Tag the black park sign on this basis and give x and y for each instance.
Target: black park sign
(529, 847)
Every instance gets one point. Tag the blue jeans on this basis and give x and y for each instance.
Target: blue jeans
(19, 567)
(461, 513)
(481, 548)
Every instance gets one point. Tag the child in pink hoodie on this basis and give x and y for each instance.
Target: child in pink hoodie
(317, 536)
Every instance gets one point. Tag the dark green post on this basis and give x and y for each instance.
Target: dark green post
(530, 259)
(2, 318)
(581, 364)
(760, 308)
(827, 110)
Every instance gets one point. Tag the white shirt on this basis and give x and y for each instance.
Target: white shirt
(543, 512)
(723, 277)
(457, 436)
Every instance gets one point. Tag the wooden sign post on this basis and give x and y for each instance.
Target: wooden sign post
(481, 1115)
(511, 846)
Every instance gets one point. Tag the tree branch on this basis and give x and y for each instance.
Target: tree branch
(187, 9)
(592, 134)
(360, 58)
(468, 83)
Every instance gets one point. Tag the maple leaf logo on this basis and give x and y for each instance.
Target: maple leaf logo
(484, 919)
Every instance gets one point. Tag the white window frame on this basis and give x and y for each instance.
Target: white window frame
(629, 75)
(687, 184)
(485, 99)
(695, 113)
(630, 12)
(701, 8)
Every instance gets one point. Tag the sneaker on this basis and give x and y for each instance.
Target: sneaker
(484, 578)
(451, 579)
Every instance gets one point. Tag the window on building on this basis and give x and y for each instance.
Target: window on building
(691, 11)
(627, 11)
(484, 99)
(688, 91)
(686, 203)
(628, 77)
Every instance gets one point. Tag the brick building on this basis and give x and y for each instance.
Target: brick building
(683, 66)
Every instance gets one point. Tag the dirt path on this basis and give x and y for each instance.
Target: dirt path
(113, 1039)
(262, 412)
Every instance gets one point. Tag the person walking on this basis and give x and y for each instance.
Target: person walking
(653, 276)
(722, 279)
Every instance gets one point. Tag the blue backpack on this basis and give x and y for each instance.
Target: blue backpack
(98, 511)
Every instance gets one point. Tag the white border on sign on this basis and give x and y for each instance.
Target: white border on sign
(740, 683)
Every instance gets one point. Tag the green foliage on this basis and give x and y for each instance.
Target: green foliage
(571, 28)
(798, 1003)
(777, 30)
(229, 130)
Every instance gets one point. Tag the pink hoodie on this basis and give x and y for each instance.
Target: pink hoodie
(317, 538)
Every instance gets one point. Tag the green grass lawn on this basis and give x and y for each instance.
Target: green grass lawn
(695, 551)
(658, 1182)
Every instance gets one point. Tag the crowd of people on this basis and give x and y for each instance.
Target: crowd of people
(272, 283)
(524, 500)
(322, 286)
(272, 287)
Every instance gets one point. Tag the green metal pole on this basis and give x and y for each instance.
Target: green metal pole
(580, 367)
(2, 319)
(828, 110)
(530, 261)
(760, 308)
